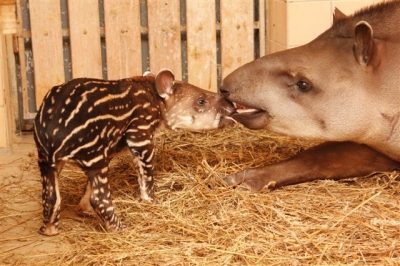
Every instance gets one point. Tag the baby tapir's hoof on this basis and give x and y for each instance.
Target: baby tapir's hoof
(49, 230)
(150, 201)
(84, 207)
(85, 210)
(114, 228)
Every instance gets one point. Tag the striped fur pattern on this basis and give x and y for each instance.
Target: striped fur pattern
(88, 120)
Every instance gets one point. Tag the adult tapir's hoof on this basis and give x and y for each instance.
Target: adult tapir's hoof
(249, 180)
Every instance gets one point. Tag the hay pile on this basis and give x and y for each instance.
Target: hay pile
(198, 221)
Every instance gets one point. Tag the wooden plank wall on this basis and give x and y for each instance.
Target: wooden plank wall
(124, 52)
(84, 28)
(165, 35)
(47, 46)
(123, 32)
(202, 43)
(237, 34)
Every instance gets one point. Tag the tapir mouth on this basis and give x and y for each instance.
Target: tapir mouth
(250, 117)
(248, 111)
(242, 110)
(244, 115)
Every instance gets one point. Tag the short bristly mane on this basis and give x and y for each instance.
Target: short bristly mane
(383, 17)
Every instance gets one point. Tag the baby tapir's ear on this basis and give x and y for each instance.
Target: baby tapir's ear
(165, 82)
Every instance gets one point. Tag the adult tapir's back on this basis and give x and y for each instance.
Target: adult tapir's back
(342, 86)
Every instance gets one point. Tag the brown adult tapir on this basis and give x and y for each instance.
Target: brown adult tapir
(342, 88)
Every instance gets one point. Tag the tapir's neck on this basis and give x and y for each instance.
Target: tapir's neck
(387, 137)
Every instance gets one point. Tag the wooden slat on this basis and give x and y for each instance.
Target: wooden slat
(122, 29)
(237, 34)
(4, 88)
(7, 2)
(12, 93)
(45, 18)
(164, 35)
(85, 38)
(262, 27)
(3, 69)
(201, 44)
(8, 22)
(20, 47)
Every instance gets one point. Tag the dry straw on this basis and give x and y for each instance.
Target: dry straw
(199, 221)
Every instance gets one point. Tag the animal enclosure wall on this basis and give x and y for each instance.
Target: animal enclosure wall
(200, 41)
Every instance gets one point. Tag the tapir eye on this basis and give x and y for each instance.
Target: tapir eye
(201, 101)
(303, 86)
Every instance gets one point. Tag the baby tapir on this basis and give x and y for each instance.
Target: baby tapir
(88, 120)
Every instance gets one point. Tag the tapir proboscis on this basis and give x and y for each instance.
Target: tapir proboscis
(342, 88)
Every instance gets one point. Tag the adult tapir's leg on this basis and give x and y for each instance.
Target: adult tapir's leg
(331, 160)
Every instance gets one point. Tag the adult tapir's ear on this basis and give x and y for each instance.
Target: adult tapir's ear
(338, 15)
(165, 82)
(364, 45)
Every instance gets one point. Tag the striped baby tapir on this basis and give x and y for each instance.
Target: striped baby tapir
(88, 120)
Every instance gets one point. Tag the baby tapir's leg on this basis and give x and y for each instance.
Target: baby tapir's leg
(51, 198)
(143, 152)
(84, 207)
(100, 198)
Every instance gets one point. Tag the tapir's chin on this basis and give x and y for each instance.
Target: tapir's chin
(252, 118)
(225, 121)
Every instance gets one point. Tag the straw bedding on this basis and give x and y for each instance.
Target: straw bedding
(199, 221)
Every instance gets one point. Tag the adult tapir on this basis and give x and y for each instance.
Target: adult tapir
(342, 88)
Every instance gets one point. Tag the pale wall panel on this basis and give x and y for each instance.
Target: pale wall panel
(307, 20)
(349, 7)
(293, 23)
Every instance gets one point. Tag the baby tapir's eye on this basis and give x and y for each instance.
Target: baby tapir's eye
(303, 86)
(201, 101)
